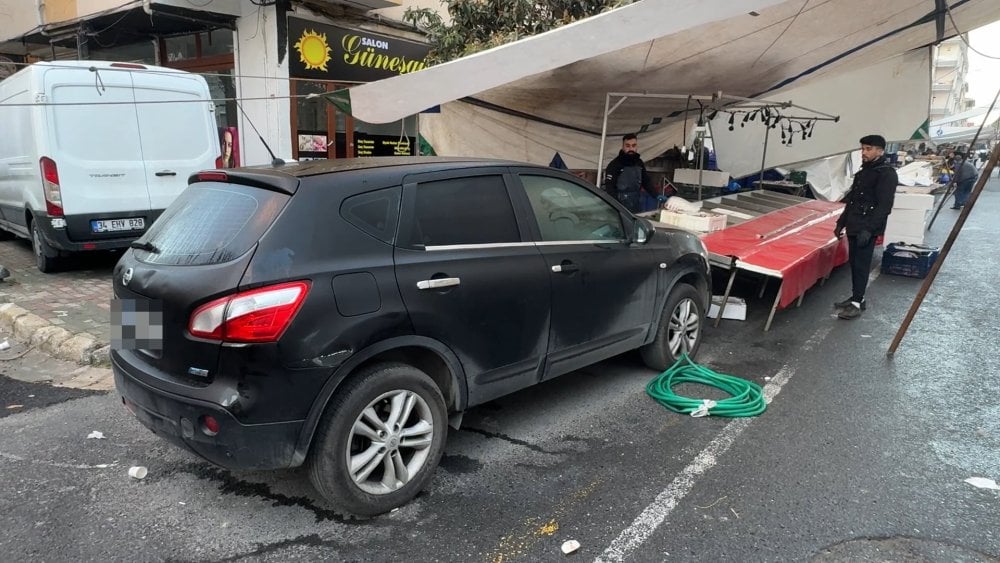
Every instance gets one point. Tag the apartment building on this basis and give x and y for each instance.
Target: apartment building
(949, 88)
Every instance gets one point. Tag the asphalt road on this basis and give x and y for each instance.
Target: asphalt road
(858, 457)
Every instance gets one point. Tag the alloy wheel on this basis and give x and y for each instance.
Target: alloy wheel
(684, 327)
(390, 442)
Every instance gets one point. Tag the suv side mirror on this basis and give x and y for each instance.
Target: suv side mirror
(643, 230)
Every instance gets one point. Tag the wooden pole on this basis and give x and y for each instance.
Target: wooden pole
(983, 178)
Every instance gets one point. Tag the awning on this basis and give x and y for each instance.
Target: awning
(128, 23)
(543, 94)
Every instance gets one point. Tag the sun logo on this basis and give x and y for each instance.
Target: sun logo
(314, 51)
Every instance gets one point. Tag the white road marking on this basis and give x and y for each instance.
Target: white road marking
(13, 457)
(654, 515)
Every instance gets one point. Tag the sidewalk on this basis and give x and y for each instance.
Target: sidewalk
(65, 314)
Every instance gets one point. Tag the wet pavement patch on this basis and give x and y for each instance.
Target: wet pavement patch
(19, 396)
(229, 484)
(459, 464)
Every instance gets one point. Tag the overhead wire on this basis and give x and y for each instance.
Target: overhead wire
(961, 35)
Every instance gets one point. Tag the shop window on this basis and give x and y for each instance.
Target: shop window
(312, 136)
(180, 48)
(142, 52)
(222, 87)
(217, 42)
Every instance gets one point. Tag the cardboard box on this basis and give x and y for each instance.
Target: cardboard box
(702, 222)
(736, 308)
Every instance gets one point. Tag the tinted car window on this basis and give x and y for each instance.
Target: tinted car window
(211, 223)
(567, 211)
(375, 213)
(472, 210)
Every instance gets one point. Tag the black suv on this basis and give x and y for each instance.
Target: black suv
(337, 313)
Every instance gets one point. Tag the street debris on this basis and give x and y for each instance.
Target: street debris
(4, 345)
(12, 407)
(983, 483)
(95, 434)
(137, 472)
(570, 546)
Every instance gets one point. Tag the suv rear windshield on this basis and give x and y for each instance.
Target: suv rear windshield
(211, 223)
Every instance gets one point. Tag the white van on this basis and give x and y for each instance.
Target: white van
(91, 152)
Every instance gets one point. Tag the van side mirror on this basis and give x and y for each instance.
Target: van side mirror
(643, 230)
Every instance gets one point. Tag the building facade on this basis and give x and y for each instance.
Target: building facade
(265, 61)
(949, 88)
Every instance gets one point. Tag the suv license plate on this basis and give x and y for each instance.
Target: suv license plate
(113, 225)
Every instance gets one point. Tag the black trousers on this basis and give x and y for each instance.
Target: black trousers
(860, 258)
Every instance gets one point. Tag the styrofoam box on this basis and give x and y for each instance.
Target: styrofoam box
(736, 308)
(908, 238)
(701, 222)
(912, 201)
(712, 178)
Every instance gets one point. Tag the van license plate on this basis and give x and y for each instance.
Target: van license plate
(113, 225)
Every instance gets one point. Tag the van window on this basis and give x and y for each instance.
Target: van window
(176, 130)
(103, 130)
(211, 223)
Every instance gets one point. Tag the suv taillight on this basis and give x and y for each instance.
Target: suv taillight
(50, 186)
(258, 315)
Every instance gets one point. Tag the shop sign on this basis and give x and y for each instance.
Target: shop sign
(384, 145)
(327, 52)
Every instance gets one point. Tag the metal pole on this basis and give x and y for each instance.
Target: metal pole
(763, 158)
(604, 134)
(983, 178)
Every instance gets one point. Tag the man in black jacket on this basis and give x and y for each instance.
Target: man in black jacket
(869, 203)
(626, 176)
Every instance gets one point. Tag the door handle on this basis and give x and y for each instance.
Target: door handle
(166, 173)
(565, 268)
(438, 283)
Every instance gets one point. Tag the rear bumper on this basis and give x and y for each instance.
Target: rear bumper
(177, 419)
(76, 235)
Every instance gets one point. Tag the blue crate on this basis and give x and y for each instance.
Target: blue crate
(910, 260)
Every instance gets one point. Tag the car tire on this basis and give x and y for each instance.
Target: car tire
(680, 329)
(348, 433)
(44, 254)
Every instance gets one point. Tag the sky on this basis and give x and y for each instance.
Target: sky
(984, 73)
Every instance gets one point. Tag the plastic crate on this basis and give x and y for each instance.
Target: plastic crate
(910, 260)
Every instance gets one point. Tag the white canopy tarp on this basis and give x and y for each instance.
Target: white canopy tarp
(889, 98)
(528, 99)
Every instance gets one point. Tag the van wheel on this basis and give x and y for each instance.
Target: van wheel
(44, 254)
(379, 441)
(679, 331)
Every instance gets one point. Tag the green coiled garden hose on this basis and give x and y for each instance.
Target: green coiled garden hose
(747, 398)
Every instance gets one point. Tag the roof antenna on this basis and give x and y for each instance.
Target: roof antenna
(275, 161)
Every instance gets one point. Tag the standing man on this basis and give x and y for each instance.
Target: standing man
(965, 177)
(626, 176)
(868, 205)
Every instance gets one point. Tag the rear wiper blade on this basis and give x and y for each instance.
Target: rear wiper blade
(147, 246)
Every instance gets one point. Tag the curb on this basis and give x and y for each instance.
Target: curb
(81, 348)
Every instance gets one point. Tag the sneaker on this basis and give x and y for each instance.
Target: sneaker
(846, 302)
(852, 311)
